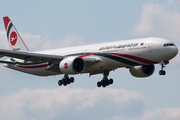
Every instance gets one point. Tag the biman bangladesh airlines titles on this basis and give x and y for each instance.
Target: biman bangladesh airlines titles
(138, 55)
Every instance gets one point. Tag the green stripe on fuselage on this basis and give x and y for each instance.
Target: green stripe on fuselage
(113, 57)
(119, 59)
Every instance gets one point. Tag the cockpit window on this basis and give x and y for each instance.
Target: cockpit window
(168, 44)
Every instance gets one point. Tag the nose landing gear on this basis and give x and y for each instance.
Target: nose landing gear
(163, 63)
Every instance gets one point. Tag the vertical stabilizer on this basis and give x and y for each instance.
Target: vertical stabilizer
(14, 39)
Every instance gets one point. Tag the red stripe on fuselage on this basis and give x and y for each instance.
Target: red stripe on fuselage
(32, 66)
(134, 58)
(146, 61)
(86, 55)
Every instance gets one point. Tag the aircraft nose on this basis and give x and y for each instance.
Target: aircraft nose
(170, 52)
(175, 51)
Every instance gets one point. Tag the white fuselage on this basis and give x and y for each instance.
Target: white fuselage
(112, 55)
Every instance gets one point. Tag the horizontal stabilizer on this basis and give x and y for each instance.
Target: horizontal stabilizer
(8, 62)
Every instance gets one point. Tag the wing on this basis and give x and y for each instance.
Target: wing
(53, 60)
(37, 57)
(28, 56)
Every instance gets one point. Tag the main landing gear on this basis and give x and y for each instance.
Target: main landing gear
(163, 63)
(66, 80)
(105, 82)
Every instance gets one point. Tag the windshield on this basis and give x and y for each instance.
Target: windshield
(168, 44)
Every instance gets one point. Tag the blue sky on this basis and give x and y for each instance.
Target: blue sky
(52, 24)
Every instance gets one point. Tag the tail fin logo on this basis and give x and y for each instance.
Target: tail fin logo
(13, 38)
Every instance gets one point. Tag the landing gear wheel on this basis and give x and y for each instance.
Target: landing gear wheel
(110, 81)
(63, 81)
(60, 82)
(104, 84)
(71, 79)
(67, 80)
(162, 72)
(107, 82)
(65, 84)
(99, 84)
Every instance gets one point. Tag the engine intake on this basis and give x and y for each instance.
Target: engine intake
(142, 71)
(72, 65)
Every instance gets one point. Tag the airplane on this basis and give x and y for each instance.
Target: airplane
(138, 55)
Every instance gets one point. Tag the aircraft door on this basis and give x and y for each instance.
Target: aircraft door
(149, 48)
(121, 50)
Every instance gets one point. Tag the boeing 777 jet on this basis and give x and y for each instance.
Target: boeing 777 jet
(138, 55)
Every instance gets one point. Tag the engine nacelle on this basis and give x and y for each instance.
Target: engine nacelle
(142, 71)
(72, 65)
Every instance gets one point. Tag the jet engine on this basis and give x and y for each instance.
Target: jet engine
(72, 65)
(142, 71)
